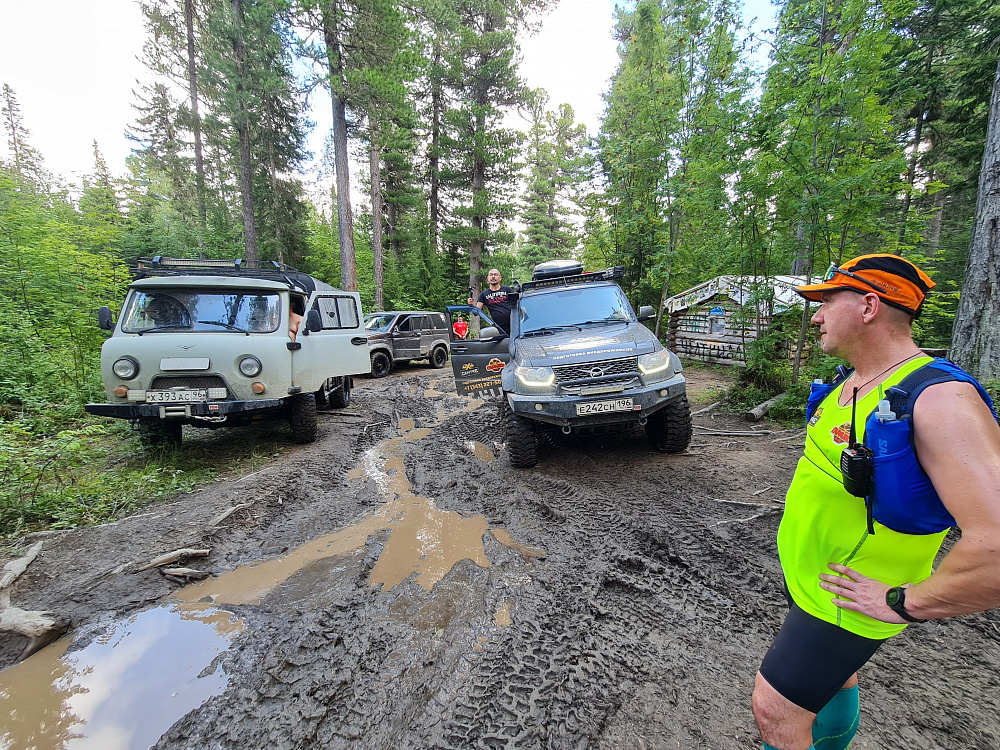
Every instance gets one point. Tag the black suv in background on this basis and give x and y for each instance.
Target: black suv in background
(400, 336)
(578, 358)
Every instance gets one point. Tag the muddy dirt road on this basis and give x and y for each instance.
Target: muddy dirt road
(398, 585)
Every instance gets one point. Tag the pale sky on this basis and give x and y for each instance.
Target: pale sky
(73, 65)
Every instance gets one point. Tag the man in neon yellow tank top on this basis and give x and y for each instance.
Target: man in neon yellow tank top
(848, 589)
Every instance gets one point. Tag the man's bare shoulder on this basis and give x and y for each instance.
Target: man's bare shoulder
(946, 402)
(952, 416)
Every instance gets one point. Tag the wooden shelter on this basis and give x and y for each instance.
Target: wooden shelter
(716, 319)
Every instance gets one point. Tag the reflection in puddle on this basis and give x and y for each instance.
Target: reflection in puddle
(124, 689)
(424, 541)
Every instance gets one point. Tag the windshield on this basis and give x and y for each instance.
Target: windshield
(378, 322)
(173, 309)
(572, 307)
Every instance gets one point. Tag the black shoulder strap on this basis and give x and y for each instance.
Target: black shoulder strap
(904, 394)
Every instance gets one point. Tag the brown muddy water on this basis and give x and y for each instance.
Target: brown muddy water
(122, 690)
(134, 680)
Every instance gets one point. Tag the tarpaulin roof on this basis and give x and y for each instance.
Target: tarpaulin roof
(739, 289)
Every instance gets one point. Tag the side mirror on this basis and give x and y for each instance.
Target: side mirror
(646, 312)
(491, 333)
(104, 320)
(314, 321)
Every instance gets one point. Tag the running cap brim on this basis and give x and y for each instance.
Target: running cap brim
(895, 280)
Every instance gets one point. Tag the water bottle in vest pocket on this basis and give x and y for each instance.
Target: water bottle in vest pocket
(904, 499)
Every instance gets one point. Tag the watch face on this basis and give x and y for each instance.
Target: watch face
(892, 597)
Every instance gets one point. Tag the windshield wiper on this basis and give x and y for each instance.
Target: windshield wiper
(548, 330)
(225, 325)
(162, 328)
(604, 320)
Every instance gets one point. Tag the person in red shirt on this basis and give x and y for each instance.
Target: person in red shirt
(461, 328)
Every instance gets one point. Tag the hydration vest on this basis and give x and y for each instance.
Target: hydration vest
(903, 498)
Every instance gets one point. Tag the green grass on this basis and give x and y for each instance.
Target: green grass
(90, 471)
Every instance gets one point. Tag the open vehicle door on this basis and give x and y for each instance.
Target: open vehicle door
(477, 362)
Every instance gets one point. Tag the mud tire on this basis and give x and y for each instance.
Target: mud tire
(160, 434)
(381, 364)
(669, 429)
(438, 358)
(341, 397)
(302, 417)
(331, 393)
(522, 441)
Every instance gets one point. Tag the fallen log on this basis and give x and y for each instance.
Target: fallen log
(727, 433)
(15, 568)
(175, 556)
(757, 413)
(41, 628)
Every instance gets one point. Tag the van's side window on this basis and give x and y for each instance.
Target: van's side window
(337, 312)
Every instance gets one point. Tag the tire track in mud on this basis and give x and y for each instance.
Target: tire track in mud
(637, 575)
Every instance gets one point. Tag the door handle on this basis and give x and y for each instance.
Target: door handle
(458, 349)
(359, 340)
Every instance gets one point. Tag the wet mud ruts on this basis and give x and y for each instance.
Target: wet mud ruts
(611, 597)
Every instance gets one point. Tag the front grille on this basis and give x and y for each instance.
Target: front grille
(187, 381)
(626, 366)
(610, 373)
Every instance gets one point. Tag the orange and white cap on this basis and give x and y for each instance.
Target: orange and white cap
(895, 280)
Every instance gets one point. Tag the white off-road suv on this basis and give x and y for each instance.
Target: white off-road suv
(210, 344)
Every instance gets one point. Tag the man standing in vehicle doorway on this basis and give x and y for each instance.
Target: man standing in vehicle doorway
(863, 519)
(497, 300)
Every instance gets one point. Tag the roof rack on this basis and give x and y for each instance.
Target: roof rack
(158, 263)
(609, 274)
(265, 269)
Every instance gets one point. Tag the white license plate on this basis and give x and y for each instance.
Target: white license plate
(172, 397)
(599, 407)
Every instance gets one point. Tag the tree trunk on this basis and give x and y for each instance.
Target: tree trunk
(975, 340)
(933, 238)
(243, 131)
(375, 165)
(348, 265)
(478, 185)
(275, 202)
(911, 172)
(392, 229)
(435, 153)
(199, 161)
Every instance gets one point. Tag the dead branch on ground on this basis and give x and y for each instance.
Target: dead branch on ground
(183, 575)
(228, 512)
(175, 556)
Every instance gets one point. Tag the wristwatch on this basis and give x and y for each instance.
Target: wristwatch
(896, 599)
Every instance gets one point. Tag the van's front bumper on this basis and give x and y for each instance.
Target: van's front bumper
(562, 410)
(182, 410)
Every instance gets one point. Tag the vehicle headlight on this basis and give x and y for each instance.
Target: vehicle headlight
(250, 366)
(535, 377)
(655, 364)
(126, 368)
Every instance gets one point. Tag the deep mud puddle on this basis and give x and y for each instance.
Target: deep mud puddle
(136, 678)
